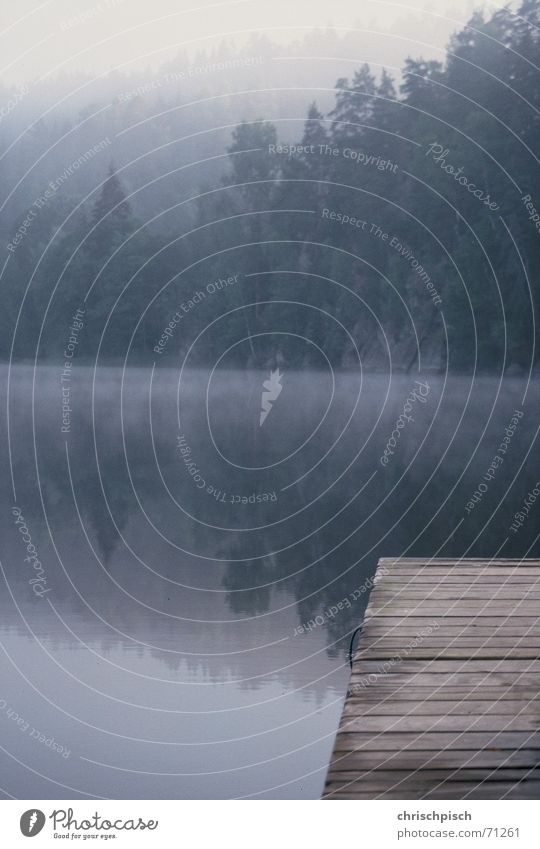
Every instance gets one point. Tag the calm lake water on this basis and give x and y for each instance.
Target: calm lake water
(200, 574)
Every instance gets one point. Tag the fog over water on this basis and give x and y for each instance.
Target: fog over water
(179, 645)
(269, 313)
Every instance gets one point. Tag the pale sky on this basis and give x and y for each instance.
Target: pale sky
(44, 37)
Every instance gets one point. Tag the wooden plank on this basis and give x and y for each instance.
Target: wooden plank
(437, 610)
(441, 707)
(436, 783)
(363, 741)
(506, 627)
(420, 622)
(446, 575)
(428, 579)
(479, 572)
(444, 695)
(443, 561)
(491, 592)
(455, 653)
(432, 600)
(448, 636)
(438, 667)
(448, 592)
(436, 757)
(438, 654)
(402, 694)
(453, 639)
(492, 790)
(420, 606)
(379, 778)
(443, 680)
(399, 722)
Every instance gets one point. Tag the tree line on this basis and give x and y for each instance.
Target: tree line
(399, 228)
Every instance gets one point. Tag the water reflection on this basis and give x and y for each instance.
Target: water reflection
(192, 644)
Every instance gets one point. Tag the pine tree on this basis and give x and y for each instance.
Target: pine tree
(111, 203)
(386, 86)
(111, 220)
(108, 258)
(254, 162)
(385, 113)
(418, 78)
(312, 164)
(354, 105)
(255, 170)
(315, 131)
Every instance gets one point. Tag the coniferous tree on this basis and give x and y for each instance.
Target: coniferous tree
(354, 105)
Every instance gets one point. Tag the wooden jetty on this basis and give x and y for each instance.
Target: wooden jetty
(444, 696)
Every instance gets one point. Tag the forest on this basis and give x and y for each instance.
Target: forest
(399, 226)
